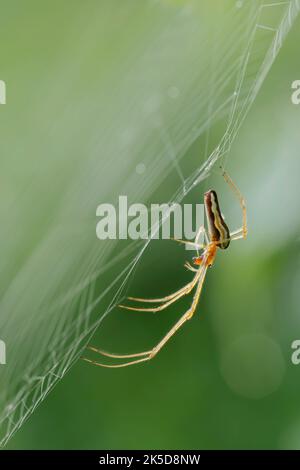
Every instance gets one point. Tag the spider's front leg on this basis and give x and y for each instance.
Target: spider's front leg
(171, 298)
(147, 355)
(243, 231)
(167, 300)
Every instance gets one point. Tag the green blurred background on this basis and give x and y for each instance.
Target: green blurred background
(77, 74)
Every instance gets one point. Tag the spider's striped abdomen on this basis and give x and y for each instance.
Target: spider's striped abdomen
(217, 229)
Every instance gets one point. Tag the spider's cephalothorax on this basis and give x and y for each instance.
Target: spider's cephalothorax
(217, 229)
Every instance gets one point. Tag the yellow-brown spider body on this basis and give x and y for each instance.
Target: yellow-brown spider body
(218, 237)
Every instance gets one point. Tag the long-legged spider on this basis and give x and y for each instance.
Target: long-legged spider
(218, 237)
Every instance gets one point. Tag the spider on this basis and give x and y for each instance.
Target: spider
(218, 236)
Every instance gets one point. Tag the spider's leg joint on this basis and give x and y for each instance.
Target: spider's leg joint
(152, 353)
(190, 313)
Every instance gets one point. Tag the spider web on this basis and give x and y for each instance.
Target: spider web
(196, 71)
